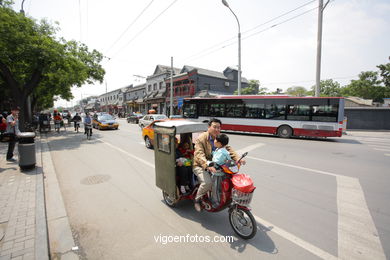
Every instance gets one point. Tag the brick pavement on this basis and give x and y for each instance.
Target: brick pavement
(23, 230)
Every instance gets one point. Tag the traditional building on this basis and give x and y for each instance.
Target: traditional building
(156, 89)
(192, 82)
(134, 97)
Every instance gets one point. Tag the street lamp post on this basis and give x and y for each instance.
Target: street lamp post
(239, 48)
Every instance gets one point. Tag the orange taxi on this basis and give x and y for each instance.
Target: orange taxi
(148, 132)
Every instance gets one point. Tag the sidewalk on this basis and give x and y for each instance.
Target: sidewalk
(23, 230)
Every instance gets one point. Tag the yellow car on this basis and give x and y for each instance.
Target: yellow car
(105, 121)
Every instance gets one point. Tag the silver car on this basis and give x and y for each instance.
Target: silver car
(146, 120)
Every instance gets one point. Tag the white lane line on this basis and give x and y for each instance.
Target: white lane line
(383, 150)
(379, 146)
(387, 154)
(357, 234)
(296, 240)
(129, 154)
(249, 148)
(294, 166)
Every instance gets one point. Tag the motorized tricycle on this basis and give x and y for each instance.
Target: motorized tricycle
(230, 190)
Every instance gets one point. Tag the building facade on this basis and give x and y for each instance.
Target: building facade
(156, 88)
(193, 82)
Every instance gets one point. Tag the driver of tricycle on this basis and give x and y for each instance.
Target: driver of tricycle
(204, 146)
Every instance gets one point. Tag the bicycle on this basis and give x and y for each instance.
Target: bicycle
(88, 129)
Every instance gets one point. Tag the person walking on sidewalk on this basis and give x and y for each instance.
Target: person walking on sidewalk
(12, 128)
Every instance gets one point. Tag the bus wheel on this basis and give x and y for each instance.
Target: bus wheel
(284, 131)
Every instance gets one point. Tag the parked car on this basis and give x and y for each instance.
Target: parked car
(134, 118)
(146, 120)
(104, 121)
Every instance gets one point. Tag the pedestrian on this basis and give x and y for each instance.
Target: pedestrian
(12, 128)
(3, 122)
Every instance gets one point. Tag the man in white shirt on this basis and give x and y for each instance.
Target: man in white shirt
(13, 128)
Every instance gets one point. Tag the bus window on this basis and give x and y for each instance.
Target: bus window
(298, 112)
(277, 111)
(190, 111)
(203, 109)
(254, 111)
(217, 110)
(234, 110)
(324, 113)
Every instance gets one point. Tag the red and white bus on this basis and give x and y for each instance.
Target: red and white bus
(278, 115)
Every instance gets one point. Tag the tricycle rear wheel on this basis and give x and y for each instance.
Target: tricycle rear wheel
(171, 202)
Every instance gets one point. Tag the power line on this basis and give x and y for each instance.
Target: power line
(129, 26)
(307, 81)
(253, 34)
(257, 26)
(140, 32)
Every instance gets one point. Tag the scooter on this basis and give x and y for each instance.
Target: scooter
(230, 190)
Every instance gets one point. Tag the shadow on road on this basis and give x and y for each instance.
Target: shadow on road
(219, 223)
(68, 140)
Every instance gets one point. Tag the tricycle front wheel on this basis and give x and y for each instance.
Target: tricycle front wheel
(243, 222)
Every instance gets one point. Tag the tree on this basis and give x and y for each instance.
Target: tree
(368, 86)
(252, 88)
(296, 91)
(34, 63)
(328, 88)
(384, 71)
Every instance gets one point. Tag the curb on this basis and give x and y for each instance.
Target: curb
(42, 239)
(61, 242)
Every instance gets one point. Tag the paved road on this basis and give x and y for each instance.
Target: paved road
(314, 199)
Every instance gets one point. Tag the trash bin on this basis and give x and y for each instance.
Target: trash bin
(26, 148)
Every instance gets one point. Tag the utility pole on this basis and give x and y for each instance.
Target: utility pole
(106, 98)
(171, 93)
(319, 46)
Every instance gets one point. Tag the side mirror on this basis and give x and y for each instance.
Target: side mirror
(242, 156)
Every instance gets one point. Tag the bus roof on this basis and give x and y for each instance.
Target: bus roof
(259, 97)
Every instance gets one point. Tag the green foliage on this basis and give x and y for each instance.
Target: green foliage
(297, 91)
(384, 71)
(368, 86)
(34, 62)
(251, 89)
(328, 88)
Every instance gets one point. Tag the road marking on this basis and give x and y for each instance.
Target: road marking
(379, 146)
(357, 235)
(296, 240)
(294, 166)
(387, 154)
(129, 154)
(249, 148)
(384, 150)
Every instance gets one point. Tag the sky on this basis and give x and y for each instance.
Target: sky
(279, 37)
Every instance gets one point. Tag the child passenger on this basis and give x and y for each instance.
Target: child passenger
(221, 155)
(184, 156)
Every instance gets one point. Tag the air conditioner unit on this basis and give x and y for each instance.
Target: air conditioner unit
(226, 84)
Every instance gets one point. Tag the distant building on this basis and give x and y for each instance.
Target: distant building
(358, 102)
(386, 102)
(193, 82)
(134, 97)
(156, 88)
